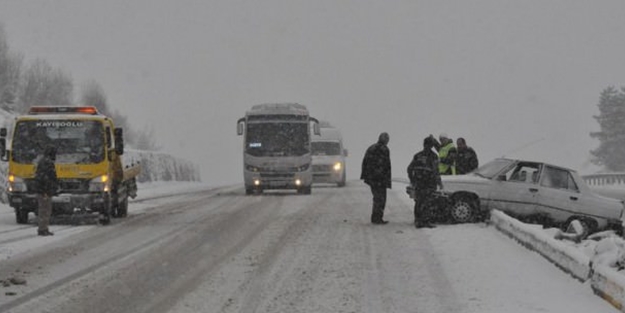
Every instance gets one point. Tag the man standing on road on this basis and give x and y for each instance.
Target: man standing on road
(466, 159)
(424, 176)
(376, 172)
(47, 185)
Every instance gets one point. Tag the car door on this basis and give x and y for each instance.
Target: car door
(515, 190)
(559, 195)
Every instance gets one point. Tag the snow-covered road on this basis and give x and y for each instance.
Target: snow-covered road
(218, 250)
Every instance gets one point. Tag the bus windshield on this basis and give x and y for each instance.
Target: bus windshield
(277, 139)
(77, 142)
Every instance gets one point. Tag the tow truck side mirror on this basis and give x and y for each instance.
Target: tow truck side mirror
(119, 141)
(4, 156)
(3, 149)
(345, 152)
(108, 137)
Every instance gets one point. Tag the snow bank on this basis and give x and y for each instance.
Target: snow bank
(599, 259)
(161, 167)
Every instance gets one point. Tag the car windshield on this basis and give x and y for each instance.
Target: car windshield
(326, 148)
(492, 168)
(77, 142)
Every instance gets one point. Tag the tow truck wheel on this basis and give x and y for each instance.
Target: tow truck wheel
(105, 215)
(21, 216)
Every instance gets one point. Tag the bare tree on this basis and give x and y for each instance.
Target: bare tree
(93, 95)
(44, 85)
(10, 70)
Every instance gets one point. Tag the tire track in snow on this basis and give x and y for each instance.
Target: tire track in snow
(93, 241)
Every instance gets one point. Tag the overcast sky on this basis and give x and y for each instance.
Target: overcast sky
(515, 78)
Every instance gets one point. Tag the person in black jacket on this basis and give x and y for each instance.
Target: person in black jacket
(46, 184)
(376, 172)
(424, 177)
(466, 158)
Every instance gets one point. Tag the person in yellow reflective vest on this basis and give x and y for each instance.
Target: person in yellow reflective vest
(446, 154)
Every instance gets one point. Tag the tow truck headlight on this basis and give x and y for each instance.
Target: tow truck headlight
(337, 166)
(17, 184)
(100, 184)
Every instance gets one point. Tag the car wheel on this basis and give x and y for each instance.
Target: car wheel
(341, 183)
(462, 210)
(589, 225)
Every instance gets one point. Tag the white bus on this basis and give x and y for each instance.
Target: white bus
(276, 147)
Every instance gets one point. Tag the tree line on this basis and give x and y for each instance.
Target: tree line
(38, 83)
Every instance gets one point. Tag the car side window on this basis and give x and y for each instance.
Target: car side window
(558, 179)
(523, 172)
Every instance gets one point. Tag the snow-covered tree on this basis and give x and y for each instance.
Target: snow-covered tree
(611, 119)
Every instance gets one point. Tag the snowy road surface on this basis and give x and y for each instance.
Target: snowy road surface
(218, 250)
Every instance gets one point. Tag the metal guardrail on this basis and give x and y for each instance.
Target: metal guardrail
(604, 179)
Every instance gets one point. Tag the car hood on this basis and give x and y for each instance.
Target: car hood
(471, 182)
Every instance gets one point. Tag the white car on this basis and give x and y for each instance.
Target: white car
(531, 191)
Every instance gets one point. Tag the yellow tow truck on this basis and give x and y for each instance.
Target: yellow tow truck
(88, 162)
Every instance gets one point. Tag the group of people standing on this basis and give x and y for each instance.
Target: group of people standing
(424, 172)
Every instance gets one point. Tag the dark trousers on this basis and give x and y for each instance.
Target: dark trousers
(422, 205)
(379, 202)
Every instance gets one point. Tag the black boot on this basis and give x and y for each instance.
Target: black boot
(45, 233)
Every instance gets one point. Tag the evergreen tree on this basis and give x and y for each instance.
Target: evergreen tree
(611, 119)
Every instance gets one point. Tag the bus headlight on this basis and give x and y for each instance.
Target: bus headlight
(338, 166)
(252, 168)
(100, 184)
(16, 184)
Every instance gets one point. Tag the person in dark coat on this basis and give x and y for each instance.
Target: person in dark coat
(424, 176)
(46, 184)
(376, 172)
(466, 158)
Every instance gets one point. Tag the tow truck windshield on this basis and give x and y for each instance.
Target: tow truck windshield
(78, 142)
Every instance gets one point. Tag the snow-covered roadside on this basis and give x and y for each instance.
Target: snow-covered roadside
(599, 259)
(18, 238)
